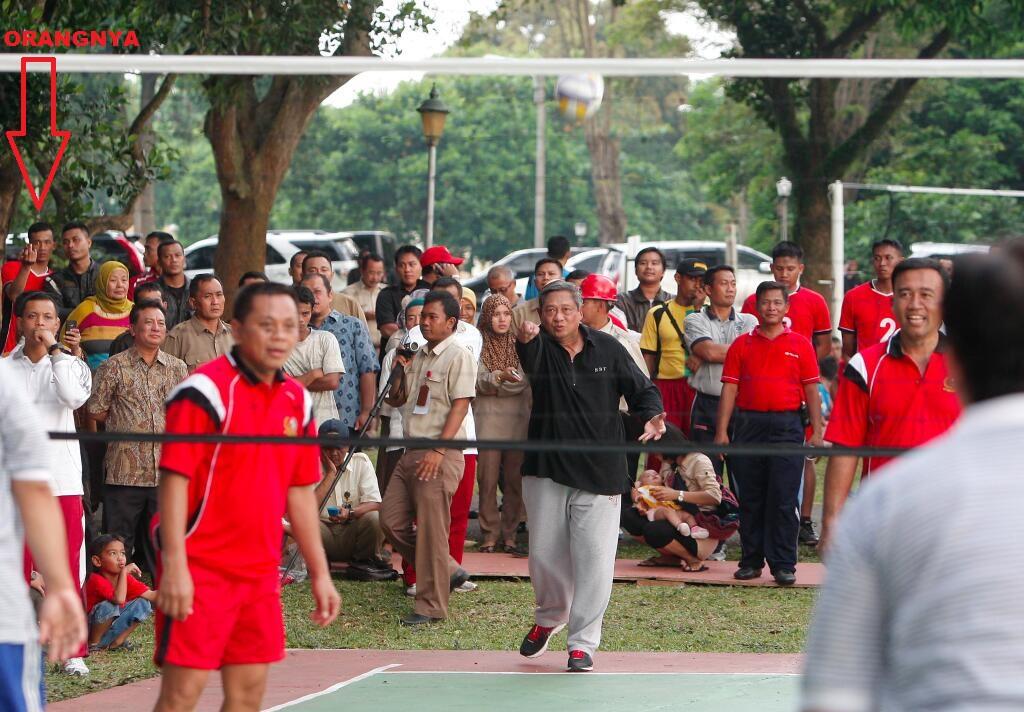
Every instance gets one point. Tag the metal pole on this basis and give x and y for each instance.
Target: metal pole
(428, 240)
(540, 169)
(838, 250)
(784, 219)
(731, 252)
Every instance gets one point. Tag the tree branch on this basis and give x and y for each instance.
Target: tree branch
(784, 110)
(858, 27)
(817, 26)
(146, 113)
(839, 160)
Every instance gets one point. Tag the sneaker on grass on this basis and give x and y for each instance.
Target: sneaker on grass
(76, 667)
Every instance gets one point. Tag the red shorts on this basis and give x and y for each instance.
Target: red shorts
(234, 621)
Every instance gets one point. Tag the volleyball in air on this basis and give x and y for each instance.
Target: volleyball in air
(579, 95)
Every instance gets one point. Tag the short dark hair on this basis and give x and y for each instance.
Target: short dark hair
(305, 296)
(253, 274)
(198, 281)
(315, 254)
(445, 282)
(38, 227)
(148, 287)
(327, 282)
(771, 286)
(160, 235)
(647, 251)
(141, 306)
(828, 367)
(26, 297)
(452, 308)
(371, 257)
(407, 250)
(788, 249)
(709, 276)
(297, 257)
(577, 274)
(558, 246)
(913, 263)
(75, 225)
(988, 356)
(887, 242)
(247, 295)
(165, 243)
(97, 545)
(546, 261)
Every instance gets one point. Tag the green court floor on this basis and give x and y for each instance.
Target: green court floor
(594, 692)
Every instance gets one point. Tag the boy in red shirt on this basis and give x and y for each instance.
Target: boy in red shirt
(219, 525)
(116, 601)
(29, 273)
(766, 375)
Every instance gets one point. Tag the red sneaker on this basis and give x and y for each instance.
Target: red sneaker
(536, 641)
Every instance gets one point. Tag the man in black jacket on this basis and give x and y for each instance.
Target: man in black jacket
(572, 498)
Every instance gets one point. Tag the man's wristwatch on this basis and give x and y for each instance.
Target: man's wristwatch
(681, 497)
(53, 348)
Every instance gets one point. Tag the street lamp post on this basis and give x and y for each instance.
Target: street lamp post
(784, 187)
(433, 112)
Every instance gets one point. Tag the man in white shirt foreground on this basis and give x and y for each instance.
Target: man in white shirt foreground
(917, 612)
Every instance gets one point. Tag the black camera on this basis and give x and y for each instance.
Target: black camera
(407, 350)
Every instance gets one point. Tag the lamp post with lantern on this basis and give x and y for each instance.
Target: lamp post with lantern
(433, 113)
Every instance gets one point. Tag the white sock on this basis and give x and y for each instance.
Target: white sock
(683, 528)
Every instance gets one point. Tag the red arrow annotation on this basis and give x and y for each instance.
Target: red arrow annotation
(12, 135)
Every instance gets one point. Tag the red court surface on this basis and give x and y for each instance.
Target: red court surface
(719, 573)
(307, 672)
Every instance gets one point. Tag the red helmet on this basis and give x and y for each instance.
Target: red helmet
(597, 286)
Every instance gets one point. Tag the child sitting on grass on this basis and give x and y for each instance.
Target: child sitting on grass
(655, 509)
(115, 600)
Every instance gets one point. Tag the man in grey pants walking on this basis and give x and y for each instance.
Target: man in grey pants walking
(578, 376)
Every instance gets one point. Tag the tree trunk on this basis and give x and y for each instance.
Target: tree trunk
(144, 214)
(11, 186)
(814, 234)
(604, 172)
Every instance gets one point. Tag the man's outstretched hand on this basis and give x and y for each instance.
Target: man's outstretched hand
(653, 429)
(527, 332)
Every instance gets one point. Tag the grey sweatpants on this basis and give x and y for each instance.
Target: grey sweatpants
(573, 538)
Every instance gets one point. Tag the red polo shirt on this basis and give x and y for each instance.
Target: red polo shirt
(34, 283)
(884, 401)
(770, 373)
(807, 316)
(238, 494)
(868, 314)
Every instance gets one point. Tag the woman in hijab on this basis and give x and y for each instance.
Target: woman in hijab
(102, 318)
(502, 412)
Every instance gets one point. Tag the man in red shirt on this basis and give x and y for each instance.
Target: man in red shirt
(767, 374)
(808, 316)
(897, 393)
(219, 525)
(867, 318)
(30, 273)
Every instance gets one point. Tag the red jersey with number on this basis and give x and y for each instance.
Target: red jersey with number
(868, 314)
(807, 316)
(885, 401)
(238, 493)
(99, 589)
(34, 283)
(770, 374)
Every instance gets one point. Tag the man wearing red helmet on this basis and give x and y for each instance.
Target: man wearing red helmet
(599, 296)
(438, 262)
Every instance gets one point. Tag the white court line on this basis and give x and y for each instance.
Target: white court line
(576, 674)
(332, 688)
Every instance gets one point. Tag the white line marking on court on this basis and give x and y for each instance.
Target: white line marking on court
(591, 674)
(332, 688)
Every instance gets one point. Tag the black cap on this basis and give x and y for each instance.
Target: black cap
(333, 427)
(692, 268)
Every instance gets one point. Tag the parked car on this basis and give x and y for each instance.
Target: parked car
(522, 263)
(752, 267)
(106, 246)
(281, 245)
(379, 242)
(944, 250)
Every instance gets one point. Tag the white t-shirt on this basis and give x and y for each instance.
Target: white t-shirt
(470, 337)
(359, 480)
(319, 350)
(24, 457)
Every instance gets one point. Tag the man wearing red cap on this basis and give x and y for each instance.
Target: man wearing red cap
(438, 262)
(599, 296)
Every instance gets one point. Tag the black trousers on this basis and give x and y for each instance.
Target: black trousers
(768, 489)
(127, 512)
(704, 427)
(657, 534)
